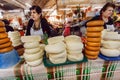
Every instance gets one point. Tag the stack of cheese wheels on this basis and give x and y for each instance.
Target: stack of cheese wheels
(33, 53)
(92, 46)
(110, 44)
(5, 43)
(74, 48)
(56, 50)
(15, 38)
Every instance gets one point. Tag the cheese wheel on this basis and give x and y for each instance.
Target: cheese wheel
(71, 45)
(55, 48)
(110, 52)
(95, 23)
(77, 57)
(32, 51)
(6, 44)
(19, 43)
(30, 38)
(29, 45)
(59, 60)
(92, 53)
(2, 24)
(7, 49)
(91, 57)
(2, 29)
(93, 34)
(111, 44)
(3, 35)
(14, 34)
(72, 38)
(4, 40)
(56, 39)
(74, 51)
(33, 57)
(94, 44)
(92, 48)
(95, 29)
(93, 39)
(35, 63)
(56, 56)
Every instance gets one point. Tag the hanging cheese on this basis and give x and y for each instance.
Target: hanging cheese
(95, 29)
(95, 23)
(93, 34)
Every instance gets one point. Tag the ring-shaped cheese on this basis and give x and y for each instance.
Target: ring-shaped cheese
(91, 57)
(7, 49)
(98, 39)
(95, 29)
(94, 44)
(92, 48)
(5, 45)
(77, 57)
(95, 23)
(92, 53)
(93, 34)
(29, 45)
(3, 35)
(33, 57)
(74, 51)
(2, 24)
(35, 63)
(2, 29)
(32, 51)
(4, 40)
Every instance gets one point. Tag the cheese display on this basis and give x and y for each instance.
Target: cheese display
(93, 37)
(8, 56)
(56, 52)
(33, 52)
(15, 38)
(74, 48)
(110, 44)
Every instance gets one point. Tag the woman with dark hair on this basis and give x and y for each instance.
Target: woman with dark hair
(105, 15)
(37, 25)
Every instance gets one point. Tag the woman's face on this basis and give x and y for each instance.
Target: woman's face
(108, 12)
(34, 15)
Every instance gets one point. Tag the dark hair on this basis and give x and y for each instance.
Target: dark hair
(6, 22)
(106, 6)
(37, 8)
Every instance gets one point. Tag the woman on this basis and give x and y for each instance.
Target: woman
(37, 25)
(105, 15)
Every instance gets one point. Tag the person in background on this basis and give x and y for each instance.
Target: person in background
(37, 25)
(106, 13)
(7, 26)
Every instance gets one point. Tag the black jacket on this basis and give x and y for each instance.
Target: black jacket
(44, 25)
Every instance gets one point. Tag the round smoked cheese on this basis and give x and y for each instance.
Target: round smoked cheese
(7, 49)
(4, 40)
(5, 45)
(95, 29)
(95, 23)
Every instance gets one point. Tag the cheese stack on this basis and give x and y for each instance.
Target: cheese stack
(8, 56)
(110, 44)
(56, 50)
(92, 46)
(74, 48)
(15, 38)
(5, 43)
(33, 53)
